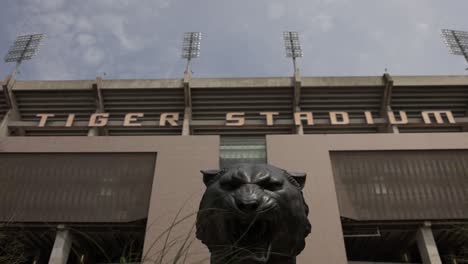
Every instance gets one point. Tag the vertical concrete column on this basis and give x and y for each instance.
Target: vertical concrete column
(299, 128)
(62, 246)
(395, 130)
(188, 104)
(297, 99)
(392, 128)
(4, 131)
(93, 132)
(13, 113)
(386, 105)
(186, 124)
(427, 245)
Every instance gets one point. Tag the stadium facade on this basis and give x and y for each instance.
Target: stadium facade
(106, 171)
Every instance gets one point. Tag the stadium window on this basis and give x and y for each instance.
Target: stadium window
(250, 149)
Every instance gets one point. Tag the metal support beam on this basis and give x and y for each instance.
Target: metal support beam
(387, 95)
(188, 104)
(297, 98)
(99, 99)
(4, 130)
(299, 128)
(99, 108)
(386, 105)
(297, 90)
(427, 245)
(13, 114)
(187, 118)
(465, 128)
(62, 246)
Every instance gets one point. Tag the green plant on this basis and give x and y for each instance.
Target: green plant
(12, 249)
(459, 254)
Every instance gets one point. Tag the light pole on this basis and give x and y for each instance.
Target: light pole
(457, 42)
(292, 46)
(191, 48)
(24, 48)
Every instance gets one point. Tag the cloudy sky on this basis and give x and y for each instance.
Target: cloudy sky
(126, 39)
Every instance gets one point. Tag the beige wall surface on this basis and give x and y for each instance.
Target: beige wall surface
(177, 183)
(310, 153)
(178, 186)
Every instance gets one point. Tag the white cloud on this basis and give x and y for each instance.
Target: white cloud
(87, 35)
(115, 24)
(276, 11)
(333, 1)
(57, 23)
(46, 5)
(83, 25)
(422, 27)
(325, 22)
(93, 56)
(86, 40)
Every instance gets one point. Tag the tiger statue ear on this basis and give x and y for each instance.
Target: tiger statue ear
(209, 176)
(300, 178)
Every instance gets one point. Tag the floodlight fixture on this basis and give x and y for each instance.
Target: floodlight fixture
(24, 48)
(292, 45)
(457, 42)
(191, 47)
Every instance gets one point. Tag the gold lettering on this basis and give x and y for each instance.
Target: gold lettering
(98, 120)
(393, 121)
(369, 118)
(43, 120)
(130, 118)
(169, 118)
(300, 116)
(269, 117)
(438, 116)
(344, 118)
(70, 120)
(235, 119)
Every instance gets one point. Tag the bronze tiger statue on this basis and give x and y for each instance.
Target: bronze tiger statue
(252, 214)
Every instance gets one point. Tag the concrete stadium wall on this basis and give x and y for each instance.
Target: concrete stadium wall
(310, 154)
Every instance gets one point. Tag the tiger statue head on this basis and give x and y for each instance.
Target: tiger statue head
(253, 213)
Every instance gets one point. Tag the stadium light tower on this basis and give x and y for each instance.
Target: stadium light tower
(457, 42)
(191, 47)
(24, 48)
(292, 46)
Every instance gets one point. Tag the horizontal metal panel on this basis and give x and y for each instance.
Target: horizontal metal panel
(445, 129)
(413, 100)
(75, 187)
(243, 131)
(56, 132)
(354, 100)
(151, 102)
(212, 98)
(58, 102)
(138, 131)
(402, 185)
(214, 103)
(340, 130)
